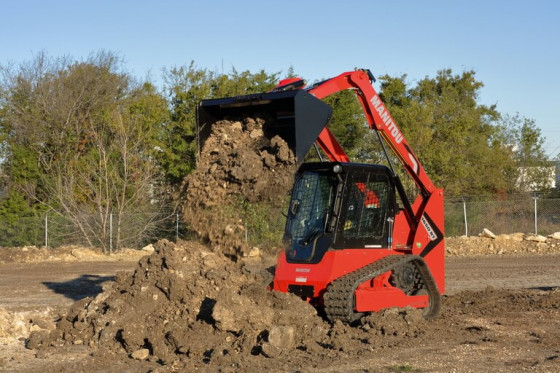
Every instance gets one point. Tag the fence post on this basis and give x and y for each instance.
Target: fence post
(465, 215)
(536, 226)
(47, 229)
(176, 227)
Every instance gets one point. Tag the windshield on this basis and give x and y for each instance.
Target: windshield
(309, 213)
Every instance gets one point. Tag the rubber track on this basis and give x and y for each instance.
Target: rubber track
(339, 297)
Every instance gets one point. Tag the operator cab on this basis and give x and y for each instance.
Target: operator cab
(339, 206)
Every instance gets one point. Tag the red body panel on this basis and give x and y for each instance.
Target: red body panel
(419, 231)
(378, 118)
(376, 299)
(335, 263)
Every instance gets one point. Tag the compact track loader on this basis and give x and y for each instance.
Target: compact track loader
(353, 241)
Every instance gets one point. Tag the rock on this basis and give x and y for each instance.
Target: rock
(35, 328)
(489, 289)
(229, 230)
(36, 339)
(282, 337)
(43, 324)
(535, 238)
(149, 248)
(256, 133)
(280, 340)
(78, 253)
(542, 246)
(224, 315)
(517, 237)
(141, 354)
(555, 236)
(253, 253)
(487, 233)
(237, 126)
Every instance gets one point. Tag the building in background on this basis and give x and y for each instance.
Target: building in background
(534, 179)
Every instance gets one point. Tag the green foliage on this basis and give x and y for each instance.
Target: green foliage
(187, 86)
(348, 123)
(20, 224)
(533, 168)
(454, 137)
(264, 221)
(82, 139)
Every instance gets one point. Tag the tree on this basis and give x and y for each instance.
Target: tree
(82, 140)
(187, 86)
(453, 135)
(533, 168)
(348, 123)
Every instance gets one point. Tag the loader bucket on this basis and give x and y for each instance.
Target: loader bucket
(298, 117)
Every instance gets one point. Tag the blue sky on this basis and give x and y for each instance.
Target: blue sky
(513, 46)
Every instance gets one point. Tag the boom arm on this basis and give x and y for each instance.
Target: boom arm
(379, 119)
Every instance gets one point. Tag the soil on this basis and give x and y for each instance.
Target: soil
(186, 308)
(32, 254)
(516, 243)
(240, 162)
(193, 306)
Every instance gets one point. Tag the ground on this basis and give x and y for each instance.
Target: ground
(189, 306)
(501, 313)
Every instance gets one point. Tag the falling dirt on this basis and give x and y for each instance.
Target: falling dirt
(238, 163)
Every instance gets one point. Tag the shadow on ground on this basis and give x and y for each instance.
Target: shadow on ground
(80, 287)
(545, 288)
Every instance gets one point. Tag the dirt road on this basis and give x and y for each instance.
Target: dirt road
(492, 330)
(502, 272)
(30, 286)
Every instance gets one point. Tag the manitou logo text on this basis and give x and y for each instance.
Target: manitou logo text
(384, 114)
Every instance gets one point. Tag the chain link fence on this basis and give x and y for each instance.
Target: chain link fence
(526, 213)
(264, 223)
(110, 232)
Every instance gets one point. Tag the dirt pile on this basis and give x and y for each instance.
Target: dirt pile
(33, 254)
(238, 162)
(186, 304)
(517, 243)
(189, 307)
